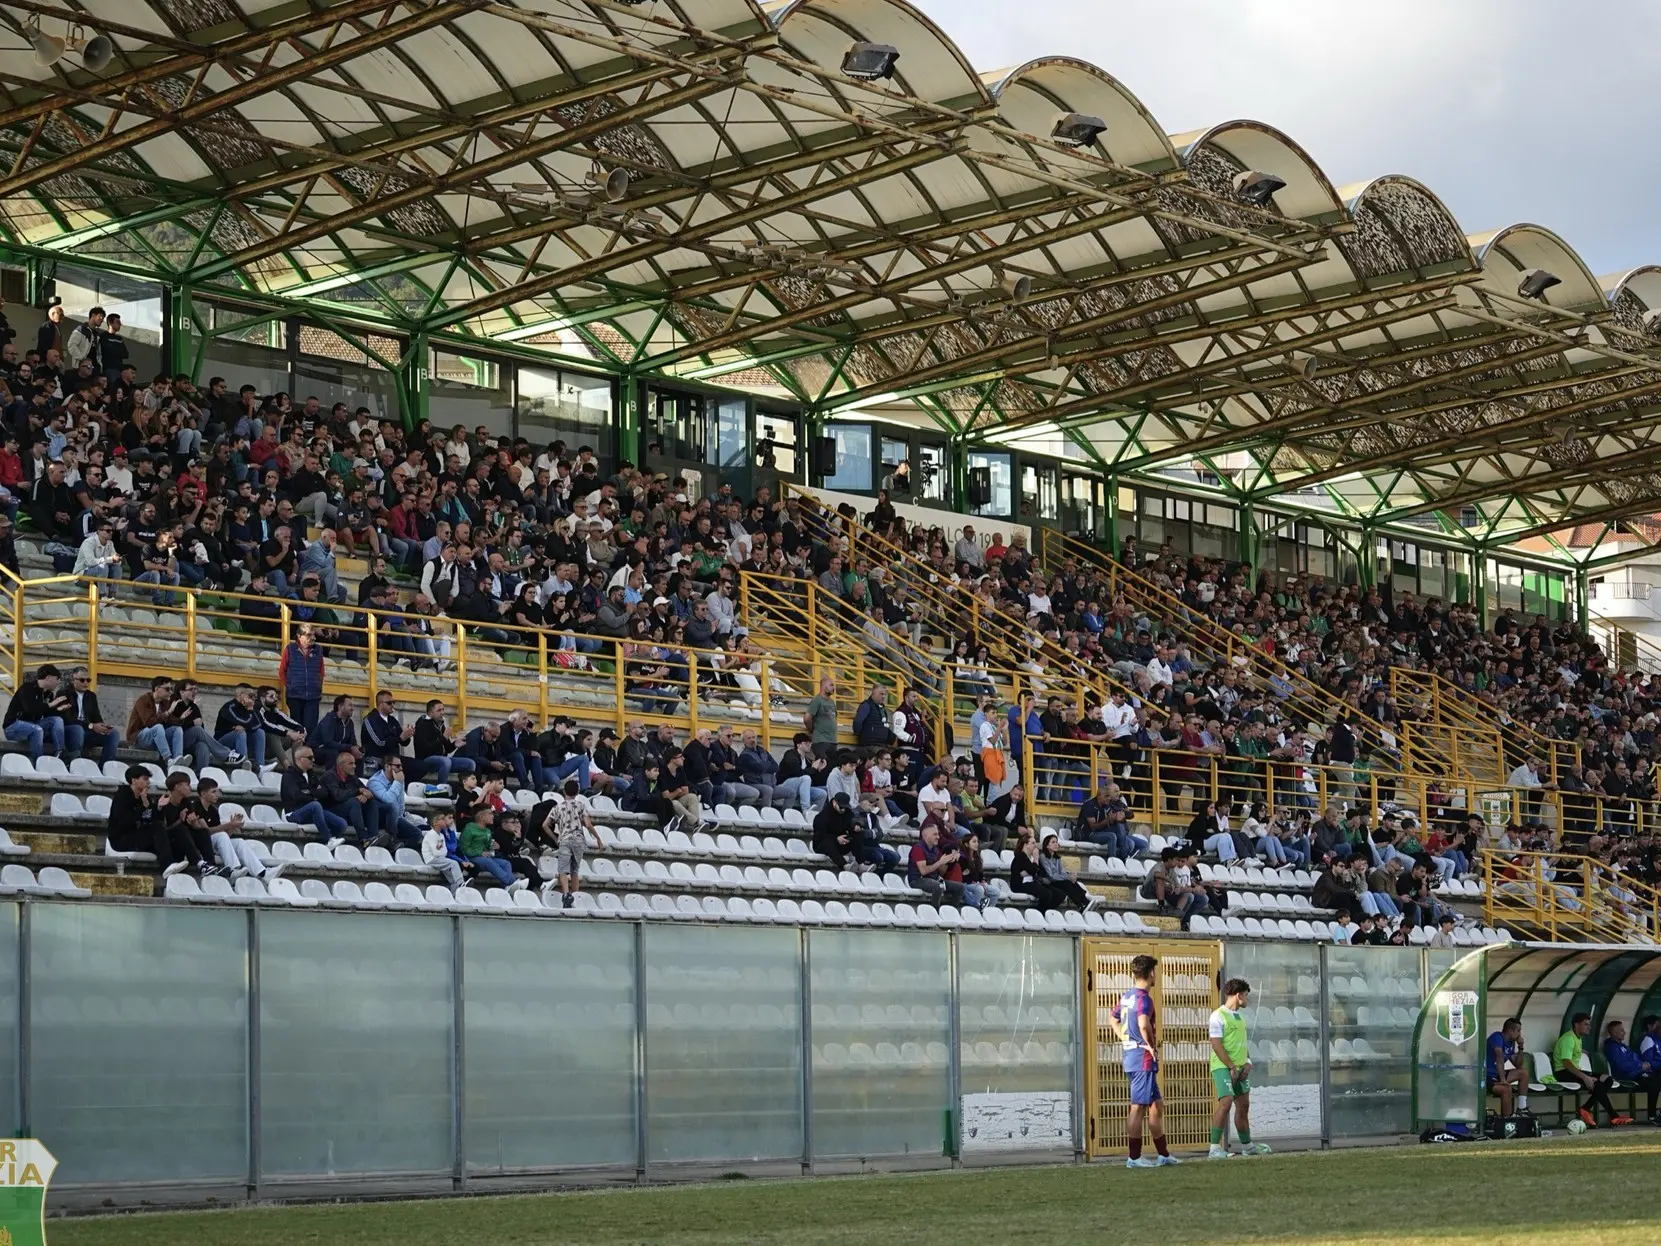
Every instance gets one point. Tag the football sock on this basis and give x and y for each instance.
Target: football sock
(1216, 1136)
(1245, 1137)
(1522, 1103)
(1136, 1147)
(1159, 1145)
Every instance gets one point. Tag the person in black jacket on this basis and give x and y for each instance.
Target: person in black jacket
(35, 716)
(83, 721)
(382, 734)
(433, 747)
(519, 746)
(136, 824)
(302, 797)
(52, 506)
(484, 745)
(282, 733)
(699, 772)
(833, 831)
(344, 795)
(238, 726)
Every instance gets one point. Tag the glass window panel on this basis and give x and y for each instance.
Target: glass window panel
(242, 363)
(853, 457)
(1000, 482)
(135, 1013)
(556, 405)
(557, 996)
(469, 391)
(1283, 1029)
(732, 433)
(935, 474)
(339, 994)
(332, 370)
(894, 452)
(723, 1044)
(1017, 1002)
(881, 1005)
(1373, 997)
(779, 436)
(1049, 505)
(1450, 1062)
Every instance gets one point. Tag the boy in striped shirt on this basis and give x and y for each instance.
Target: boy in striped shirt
(1231, 1068)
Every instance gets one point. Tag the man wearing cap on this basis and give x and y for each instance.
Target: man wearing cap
(97, 556)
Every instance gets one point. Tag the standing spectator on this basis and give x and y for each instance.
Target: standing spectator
(573, 828)
(819, 718)
(84, 722)
(35, 716)
(301, 674)
(302, 797)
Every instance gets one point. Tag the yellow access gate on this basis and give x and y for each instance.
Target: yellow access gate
(1185, 994)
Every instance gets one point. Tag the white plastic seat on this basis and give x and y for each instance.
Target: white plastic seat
(438, 896)
(182, 887)
(499, 899)
(350, 856)
(66, 805)
(798, 848)
(714, 908)
(283, 889)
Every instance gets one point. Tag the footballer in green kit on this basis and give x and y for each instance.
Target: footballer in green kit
(1231, 1068)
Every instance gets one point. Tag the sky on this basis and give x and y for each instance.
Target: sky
(1510, 110)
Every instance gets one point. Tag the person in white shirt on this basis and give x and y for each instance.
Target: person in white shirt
(1118, 717)
(935, 792)
(97, 555)
(1159, 668)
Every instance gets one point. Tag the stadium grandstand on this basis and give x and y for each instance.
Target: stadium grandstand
(736, 469)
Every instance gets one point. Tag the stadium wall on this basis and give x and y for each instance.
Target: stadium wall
(178, 1054)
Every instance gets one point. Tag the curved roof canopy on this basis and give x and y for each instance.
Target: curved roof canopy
(700, 187)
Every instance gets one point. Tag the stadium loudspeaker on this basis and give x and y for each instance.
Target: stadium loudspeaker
(980, 486)
(824, 456)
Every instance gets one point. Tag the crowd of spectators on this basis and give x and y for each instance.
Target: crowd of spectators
(163, 483)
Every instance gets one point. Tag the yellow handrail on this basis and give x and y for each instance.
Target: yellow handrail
(1567, 897)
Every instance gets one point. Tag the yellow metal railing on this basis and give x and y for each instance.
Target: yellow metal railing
(1565, 898)
(1436, 700)
(483, 672)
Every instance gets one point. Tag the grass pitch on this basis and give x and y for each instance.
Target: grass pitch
(1595, 1191)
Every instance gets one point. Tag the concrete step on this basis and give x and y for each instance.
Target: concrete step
(16, 801)
(105, 884)
(61, 843)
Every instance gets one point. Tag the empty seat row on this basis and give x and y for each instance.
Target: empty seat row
(53, 881)
(605, 872)
(1270, 902)
(317, 856)
(702, 844)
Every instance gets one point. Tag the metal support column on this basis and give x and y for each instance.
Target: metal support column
(954, 1058)
(1111, 509)
(413, 380)
(640, 1140)
(1326, 1055)
(25, 1022)
(805, 960)
(458, 1057)
(1082, 1026)
(630, 446)
(176, 350)
(1479, 574)
(1366, 558)
(1582, 598)
(1248, 534)
(255, 1055)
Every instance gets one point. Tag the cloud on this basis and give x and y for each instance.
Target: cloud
(1527, 110)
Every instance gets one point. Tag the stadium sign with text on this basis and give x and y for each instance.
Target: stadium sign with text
(1456, 1016)
(26, 1168)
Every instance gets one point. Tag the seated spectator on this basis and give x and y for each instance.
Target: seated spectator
(1506, 1077)
(83, 721)
(303, 797)
(386, 785)
(674, 787)
(186, 713)
(1443, 938)
(280, 732)
(476, 847)
(1625, 1065)
(803, 774)
(833, 831)
(35, 717)
(346, 796)
(335, 733)
(236, 855)
(441, 850)
(136, 825)
(869, 850)
(928, 865)
(977, 887)
(1060, 879)
(433, 747)
(510, 845)
(1171, 886)
(1566, 1059)
(1105, 819)
(1335, 889)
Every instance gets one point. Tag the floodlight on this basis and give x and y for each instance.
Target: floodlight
(1256, 188)
(869, 61)
(1536, 283)
(1652, 322)
(1077, 129)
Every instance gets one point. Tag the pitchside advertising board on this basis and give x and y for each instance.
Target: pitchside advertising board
(26, 1168)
